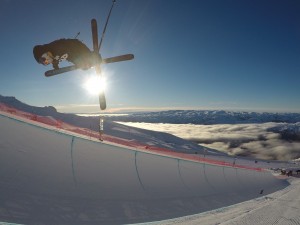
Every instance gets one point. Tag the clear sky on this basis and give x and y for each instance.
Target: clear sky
(189, 54)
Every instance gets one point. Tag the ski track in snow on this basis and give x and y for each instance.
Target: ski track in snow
(279, 208)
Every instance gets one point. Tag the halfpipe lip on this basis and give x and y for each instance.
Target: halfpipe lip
(126, 147)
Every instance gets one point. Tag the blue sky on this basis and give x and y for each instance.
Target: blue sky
(191, 54)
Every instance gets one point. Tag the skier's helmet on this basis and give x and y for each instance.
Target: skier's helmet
(41, 55)
(38, 51)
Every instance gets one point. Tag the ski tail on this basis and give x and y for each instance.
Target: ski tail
(95, 35)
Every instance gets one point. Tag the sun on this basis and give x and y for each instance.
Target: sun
(95, 84)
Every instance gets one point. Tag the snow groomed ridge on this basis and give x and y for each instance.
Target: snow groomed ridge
(47, 177)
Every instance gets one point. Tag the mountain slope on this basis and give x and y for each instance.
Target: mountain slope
(207, 117)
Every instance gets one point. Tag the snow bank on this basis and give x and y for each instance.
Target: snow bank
(48, 177)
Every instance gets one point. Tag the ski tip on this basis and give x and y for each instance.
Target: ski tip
(49, 73)
(102, 104)
(94, 22)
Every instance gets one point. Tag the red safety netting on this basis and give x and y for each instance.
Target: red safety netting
(54, 123)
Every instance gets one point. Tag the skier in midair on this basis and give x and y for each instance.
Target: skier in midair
(71, 50)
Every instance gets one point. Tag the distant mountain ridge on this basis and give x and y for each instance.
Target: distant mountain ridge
(209, 117)
(206, 117)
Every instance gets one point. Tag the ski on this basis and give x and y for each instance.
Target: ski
(118, 58)
(102, 100)
(54, 72)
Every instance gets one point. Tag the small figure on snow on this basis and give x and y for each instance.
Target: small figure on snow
(71, 50)
(290, 173)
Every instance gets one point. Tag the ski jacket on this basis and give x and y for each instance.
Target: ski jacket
(71, 50)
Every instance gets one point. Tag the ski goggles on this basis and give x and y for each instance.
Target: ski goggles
(45, 59)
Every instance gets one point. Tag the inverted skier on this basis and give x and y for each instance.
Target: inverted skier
(71, 50)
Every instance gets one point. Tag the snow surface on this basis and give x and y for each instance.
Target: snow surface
(280, 208)
(54, 176)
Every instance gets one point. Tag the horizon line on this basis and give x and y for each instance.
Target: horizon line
(94, 109)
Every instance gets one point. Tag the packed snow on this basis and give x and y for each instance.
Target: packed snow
(280, 208)
(53, 170)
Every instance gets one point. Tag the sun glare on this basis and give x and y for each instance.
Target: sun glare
(95, 84)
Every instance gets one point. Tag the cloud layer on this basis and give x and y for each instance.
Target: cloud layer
(270, 141)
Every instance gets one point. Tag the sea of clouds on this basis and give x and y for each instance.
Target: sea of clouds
(270, 141)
